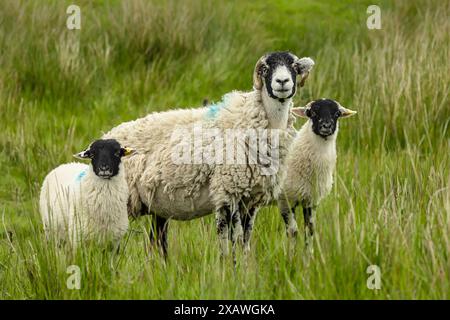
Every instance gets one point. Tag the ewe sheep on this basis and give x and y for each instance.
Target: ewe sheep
(87, 202)
(310, 163)
(169, 188)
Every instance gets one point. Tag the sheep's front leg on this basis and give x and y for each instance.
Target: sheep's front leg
(158, 233)
(309, 228)
(237, 232)
(248, 222)
(223, 217)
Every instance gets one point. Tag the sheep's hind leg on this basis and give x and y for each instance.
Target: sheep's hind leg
(309, 228)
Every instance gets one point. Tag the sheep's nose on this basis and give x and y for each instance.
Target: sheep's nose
(282, 81)
(326, 125)
(104, 167)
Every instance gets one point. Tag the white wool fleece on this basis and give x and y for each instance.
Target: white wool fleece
(76, 205)
(310, 165)
(187, 191)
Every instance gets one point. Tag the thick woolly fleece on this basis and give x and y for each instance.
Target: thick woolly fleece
(188, 191)
(310, 165)
(76, 205)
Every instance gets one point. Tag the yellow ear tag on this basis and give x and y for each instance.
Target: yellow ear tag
(128, 151)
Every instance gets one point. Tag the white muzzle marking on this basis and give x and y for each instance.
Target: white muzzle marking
(282, 83)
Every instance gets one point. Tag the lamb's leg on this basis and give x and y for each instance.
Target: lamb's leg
(288, 215)
(247, 223)
(309, 227)
(223, 219)
(158, 233)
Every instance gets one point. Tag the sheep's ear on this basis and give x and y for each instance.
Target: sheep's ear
(258, 73)
(85, 154)
(303, 66)
(345, 113)
(127, 151)
(300, 112)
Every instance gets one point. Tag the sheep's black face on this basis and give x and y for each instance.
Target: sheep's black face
(324, 115)
(105, 157)
(279, 74)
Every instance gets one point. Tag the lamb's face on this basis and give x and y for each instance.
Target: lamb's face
(106, 156)
(324, 114)
(277, 72)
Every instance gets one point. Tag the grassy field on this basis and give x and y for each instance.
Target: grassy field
(390, 205)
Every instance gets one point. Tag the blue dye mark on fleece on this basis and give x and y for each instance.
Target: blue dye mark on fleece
(80, 176)
(214, 109)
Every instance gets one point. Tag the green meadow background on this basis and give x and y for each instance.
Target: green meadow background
(390, 204)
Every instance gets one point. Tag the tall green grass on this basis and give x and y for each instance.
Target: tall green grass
(390, 204)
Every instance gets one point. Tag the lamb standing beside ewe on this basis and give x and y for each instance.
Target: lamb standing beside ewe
(310, 163)
(168, 189)
(81, 202)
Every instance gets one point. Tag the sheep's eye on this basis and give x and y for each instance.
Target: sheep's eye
(312, 114)
(117, 154)
(337, 114)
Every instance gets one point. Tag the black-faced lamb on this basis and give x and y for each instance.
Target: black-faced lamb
(80, 202)
(311, 163)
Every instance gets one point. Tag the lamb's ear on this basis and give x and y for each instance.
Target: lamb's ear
(345, 113)
(260, 70)
(302, 112)
(85, 154)
(127, 151)
(303, 66)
